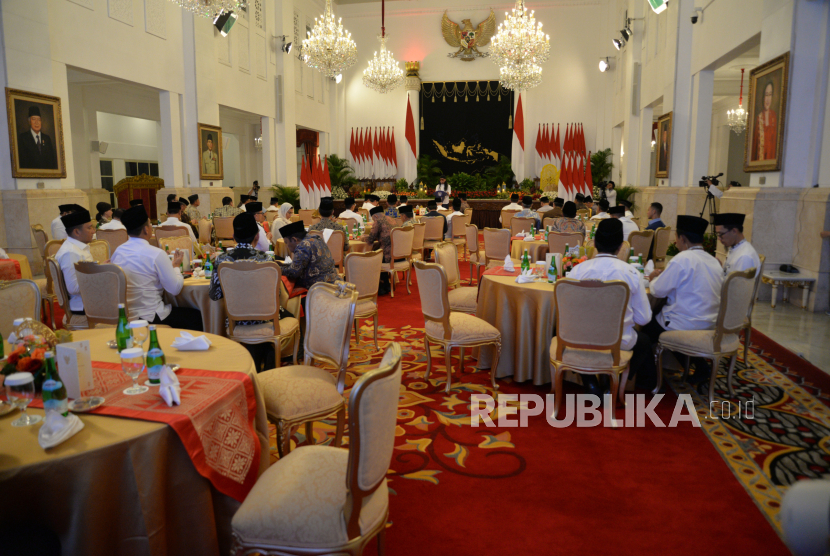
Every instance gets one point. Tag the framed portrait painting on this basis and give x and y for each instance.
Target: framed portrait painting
(210, 152)
(766, 111)
(663, 146)
(35, 135)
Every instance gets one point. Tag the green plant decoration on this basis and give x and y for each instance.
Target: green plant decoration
(501, 173)
(289, 195)
(341, 173)
(428, 171)
(626, 193)
(601, 166)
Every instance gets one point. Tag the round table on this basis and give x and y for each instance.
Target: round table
(536, 249)
(195, 294)
(124, 485)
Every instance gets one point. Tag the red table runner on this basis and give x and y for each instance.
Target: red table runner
(215, 420)
(528, 238)
(10, 269)
(499, 271)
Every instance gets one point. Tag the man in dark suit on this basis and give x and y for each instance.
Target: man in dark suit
(34, 148)
(655, 210)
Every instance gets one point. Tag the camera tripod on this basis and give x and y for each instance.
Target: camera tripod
(709, 204)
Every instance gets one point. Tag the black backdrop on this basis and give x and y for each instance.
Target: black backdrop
(467, 125)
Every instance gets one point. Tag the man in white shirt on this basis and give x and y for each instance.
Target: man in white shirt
(514, 204)
(348, 203)
(610, 194)
(174, 211)
(58, 231)
(606, 266)
(80, 231)
(545, 202)
(261, 243)
(370, 201)
(628, 224)
(741, 254)
(627, 204)
(691, 283)
(275, 205)
(149, 274)
(603, 211)
(456, 211)
(115, 223)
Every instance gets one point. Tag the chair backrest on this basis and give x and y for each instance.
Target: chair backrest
(103, 287)
(507, 216)
(520, 224)
(472, 238)
(434, 228)
(100, 250)
(402, 239)
(557, 241)
(758, 275)
(548, 221)
(735, 299)
(114, 238)
(459, 225)
(496, 244)
(170, 231)
(335, 244)
(363, 270)
(205, 227)
(624, 251)
(446, 254)
(41, 239)
(177, 242)
(306, 215)
(52, 247)
(445, 212)
(418, 239)
(469, 212)
(590, 315)
(162, 218)
(19, 299)
(432, 287)
(583, 213)
(373, 407)
(364, 212)
(223, 226)
(641, 242)
(329, 317)
(238, 279)
(349, 223)
(662, 238)
(55, 275)
(269, 217)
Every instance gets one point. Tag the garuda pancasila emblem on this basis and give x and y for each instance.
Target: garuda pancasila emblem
(468, 39)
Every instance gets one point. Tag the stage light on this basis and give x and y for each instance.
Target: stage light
(618, 43)
(338, 78)
(603, 65)
(626, 32)
(287, 47)
(224, 21)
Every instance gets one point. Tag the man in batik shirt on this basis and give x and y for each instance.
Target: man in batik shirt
(311, 260)
(327, 221)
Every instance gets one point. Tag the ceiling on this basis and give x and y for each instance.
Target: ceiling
(732, 68)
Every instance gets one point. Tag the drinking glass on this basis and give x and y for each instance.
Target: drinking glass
(141, 331)
(133, 364)
(20, 391)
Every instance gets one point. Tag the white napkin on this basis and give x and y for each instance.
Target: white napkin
(12, 339)
(187, 342)
(287, 260)
(525, 277)
(170, 389)
(648, 268)
(327, 234)
(57, 428)
(508, 264)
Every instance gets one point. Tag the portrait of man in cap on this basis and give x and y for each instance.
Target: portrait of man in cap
(36, 135)
(210, 151)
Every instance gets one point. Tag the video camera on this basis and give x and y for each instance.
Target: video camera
(706, 180)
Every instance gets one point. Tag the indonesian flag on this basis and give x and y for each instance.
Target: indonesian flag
(358, 154)
(327, 177)
(314, 197)
(353, 156)
(589, 181)
(517, 158)
(362, 153)
(410, 151)
(394, 153)
(304, 201)
(539, 158)
(547, 146)
(385, 150)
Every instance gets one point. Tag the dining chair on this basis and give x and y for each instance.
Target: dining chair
(306, 215)
(748, 322)
(583, 213)
(336, 241)
(162, 232)
(402, 239)
(363, 270)
(270, 215)
(548, 221)
(41, 238)
(224, 230)
(299, 394)
(496, 246)
(103, 287)
(476, 253)
(238, 279)
(48, 294)
(418, 240)
(100, 250)
(71, 321)
(558, 240)
(325, 500)
(349, 223)
(662, 238)
(463, 299)
(469, 213)
(723, 341)
(206, 228)
(448, 328)
(115, 238)
(434, 232)
(624, 251)
(589, 323)
(177, 242)
(459, 232)
(521, 224)
(507, 217)
(641, 243)
(365, 213)
(19, 299)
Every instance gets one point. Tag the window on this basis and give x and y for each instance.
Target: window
(136, 168)
(106, 174)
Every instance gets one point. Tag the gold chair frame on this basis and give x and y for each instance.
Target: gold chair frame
(480, 262)
(565, 238)
(662, 238)
(52, 266)
(507, 217)
(748, 324)
(15, 284)
(98, 246)
(460, 237)
(503, 236)
(41, 238)
(393, 271)
(92, 268)
(434, 231)
(647, 235)
(115, 238)
(521, 224)
(223, 226)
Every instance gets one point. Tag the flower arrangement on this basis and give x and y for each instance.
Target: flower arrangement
(338, 192)
(27, 357)
(382, 194)
(570, 261)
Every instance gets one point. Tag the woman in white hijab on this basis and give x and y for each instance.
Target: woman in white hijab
(282, 219)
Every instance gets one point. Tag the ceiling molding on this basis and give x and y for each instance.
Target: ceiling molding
(367, 9)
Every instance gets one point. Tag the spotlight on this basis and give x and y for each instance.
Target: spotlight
(224, 21)
(603, 65)
(287, 47)
(338, 78)
(618, 43)
(626, 32)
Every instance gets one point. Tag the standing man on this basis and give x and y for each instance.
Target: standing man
(174, 211)
(392, 209)
(58, 230)
(80, 231)
(35, 148)
(210, 162)
(628, 224)
(327, 222)
(311, 260)
(261, 242)
(349, 203)
(741, 255)
(443, 190)
(654, 213)
(192, 211)
(254, 191)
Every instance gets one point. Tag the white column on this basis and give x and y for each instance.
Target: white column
(703, 90)
(269, 153)
(172, 167)
(679, 104)
(644, 156)
(286, 130)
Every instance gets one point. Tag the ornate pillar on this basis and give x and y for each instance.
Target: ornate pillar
(413, 93)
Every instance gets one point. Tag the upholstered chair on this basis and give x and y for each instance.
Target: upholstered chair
(418, 241)
(350, 223)
(547, 222)
(303, 393)
(71, 321)
(462, 299)
(448, 328)
(507, 217)
(206, 227)
(224, 230)
(583, 213)
(41, 238)
(19, 299)
(641, 243)
(307, 216)
(363, 270)
(520, 224)
(238, 280)
(402, 239)
(114, 238)
(434, 232)
(100, 250)
(325, 500)
(748, 321)
(270, 216)
(335, 244)
(623, 251)
(476, 253)
(103, 287)
(662, 238)
(496, 246)
(47, 293)
(558, 240)
(589, 321)
(723, 341)
(177, 242)
(459, 232)
(162, 232)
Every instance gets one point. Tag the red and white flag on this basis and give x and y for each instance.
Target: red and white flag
(589, 182)
(352, 157)
(410, 150)
(538, 157)
(358, 154)
(394, 153)
(304, 200)
(327, 177)
(517, 158)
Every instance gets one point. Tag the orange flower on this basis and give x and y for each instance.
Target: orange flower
(14, 356)
(39, 353)
(29, 364)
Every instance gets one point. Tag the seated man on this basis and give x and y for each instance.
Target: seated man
(174, 211)
(514, 204)
(227, 209)
(311, 260)
(465, 206)
(79, 230)
(149, 274)
(741, 255)
(603, 211)
(172, 197)
(691, 282)
(432, 210)
(261, 242)
(627, 204)
(368, 203)
(275, 205)
(580, 201)
(556, 212)
(628, 224)
(407, 216)
(456, 211)
(654, 212)
(402, 202)
(242, 200)
(606, 266)
(528, 212)
(115, 223)
(58, 231)
(327, 221)
(349, 212)
(183, 215)
(568, 223)
(193, 210)
(392, 202)
(104, 213)
(589, 204)
(544, 208)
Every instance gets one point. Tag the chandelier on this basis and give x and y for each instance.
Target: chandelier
(383, 73)
(211, 8)
(329, 48)
(520, 47)
(736, 118)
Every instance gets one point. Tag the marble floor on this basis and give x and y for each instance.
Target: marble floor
(805, 333)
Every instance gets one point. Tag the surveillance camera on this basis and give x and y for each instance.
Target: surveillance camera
(697, 13)
(694, 19)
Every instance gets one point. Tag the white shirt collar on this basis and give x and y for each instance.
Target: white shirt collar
(737, 244)
(77, 244)
(35, 135)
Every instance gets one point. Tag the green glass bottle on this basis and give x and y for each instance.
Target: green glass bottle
(525, 261)
(552, 271)
(123, 336)
(567, 250)
(155, 358)
(220, 247)
(631, 255)
(54, 392)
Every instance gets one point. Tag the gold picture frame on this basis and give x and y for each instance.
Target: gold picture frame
(35, 135)
(766, 114)
(663, 147)
(210, 167)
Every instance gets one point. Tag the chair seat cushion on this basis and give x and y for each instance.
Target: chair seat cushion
(459, 240)
(465, 328)
(365, 307)
(477, 258)
(299, 502)
(77, 321)
(297, 391)
(695, 342)
(589, 359)
(265, 330)
(463, 299)
(42, 285)
(399, 265)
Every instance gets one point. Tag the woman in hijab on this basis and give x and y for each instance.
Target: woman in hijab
(282, 219)
(104, 213)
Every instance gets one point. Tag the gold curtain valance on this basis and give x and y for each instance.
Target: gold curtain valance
(465, 89)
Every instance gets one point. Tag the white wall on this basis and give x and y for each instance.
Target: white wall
(129, 138)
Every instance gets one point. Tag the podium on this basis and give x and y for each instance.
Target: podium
(142, 187)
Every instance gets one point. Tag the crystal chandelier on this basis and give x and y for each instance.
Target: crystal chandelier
(383, 73)
(736, 118)
(519, 48)
(329, 48)
(211, 8)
